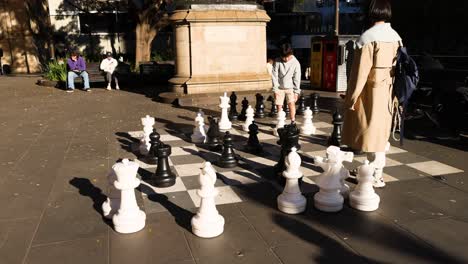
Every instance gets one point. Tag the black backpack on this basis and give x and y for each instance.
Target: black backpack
(405, 82)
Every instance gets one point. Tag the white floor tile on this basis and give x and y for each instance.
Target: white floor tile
(226, 196)
(434, 168)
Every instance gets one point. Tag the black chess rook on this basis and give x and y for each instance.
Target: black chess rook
(228, 157)
(163, 177)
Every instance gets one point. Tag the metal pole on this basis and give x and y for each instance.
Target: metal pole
(337, 17)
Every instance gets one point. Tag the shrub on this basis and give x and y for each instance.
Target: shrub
(56, 71)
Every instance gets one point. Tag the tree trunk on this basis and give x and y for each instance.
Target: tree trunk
(144, 37)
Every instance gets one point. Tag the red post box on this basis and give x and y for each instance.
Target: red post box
(330, 61)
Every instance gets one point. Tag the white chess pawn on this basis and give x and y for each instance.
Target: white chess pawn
(291, 201)
(148, 123)
(199, 134)
(112, 204)
(129, 218)
(207, 222)
(224, 123)
(249, 113)
(280, 122)
(329, 198)
(364, 197)
(308, 127)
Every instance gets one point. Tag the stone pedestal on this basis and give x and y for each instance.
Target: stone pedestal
(220, 49)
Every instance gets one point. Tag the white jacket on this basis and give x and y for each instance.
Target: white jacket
(109, 65)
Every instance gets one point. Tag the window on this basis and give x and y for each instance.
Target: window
(104, 23)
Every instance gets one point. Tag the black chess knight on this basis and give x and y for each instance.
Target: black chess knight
(233, 114)
(228, 158)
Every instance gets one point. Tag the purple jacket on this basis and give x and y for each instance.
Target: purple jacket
(79, 64)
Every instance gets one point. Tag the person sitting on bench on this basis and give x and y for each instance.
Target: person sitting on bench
(77, 68)
(108, 65)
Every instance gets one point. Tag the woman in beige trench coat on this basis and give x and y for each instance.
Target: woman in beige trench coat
(369, 100)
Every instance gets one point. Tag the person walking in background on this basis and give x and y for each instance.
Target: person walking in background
(286, 78)
(369, 101)
(77, 68)
(108, 65)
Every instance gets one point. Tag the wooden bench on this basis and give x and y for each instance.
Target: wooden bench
(97, 77)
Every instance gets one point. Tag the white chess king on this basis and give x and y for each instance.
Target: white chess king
(207, 222)
(249, 113)
(129, 218)
(199, 134)
(364, 198)
(112, 204)
(308, 127)
(330, 198)
(280, 121)
(224, 123)
(148, 123)
(291, 201)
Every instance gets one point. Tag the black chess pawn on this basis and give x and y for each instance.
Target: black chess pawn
(286, 106)
(228, 157)
(335, 138)
(212, 136)
(301, 105)
(274, 110)
(233, 114)
(245, 105)
(253, 144)
(259, 106)
(314, 98)
(155, 140)
(163, 177)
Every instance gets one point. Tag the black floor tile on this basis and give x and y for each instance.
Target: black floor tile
(447, 199)
(90, 251)
(155, 203)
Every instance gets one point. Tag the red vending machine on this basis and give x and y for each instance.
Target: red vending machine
(330, 61)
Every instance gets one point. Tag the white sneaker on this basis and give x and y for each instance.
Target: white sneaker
(108, 87)
(117, 87)
(378, 183)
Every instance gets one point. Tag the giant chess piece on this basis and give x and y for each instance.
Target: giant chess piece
(233, 115)
(249, 119)
(315, 107)
(288, 139)
(291, 201)
(245, 105)
(112, 203)
(199, 134)
(335, 138)
(155, 140)
(145, 145)
(253, 144)
(286, 106)
(308, 127)
(260, 106)
(163, 176)
(224, 123)
(364, 198)
(274, 110)
(212, 136)
(300, 105)
(129, 218)
(207, 222)
(228, 157)
(330, 197)
(202, 114)
(280, 122)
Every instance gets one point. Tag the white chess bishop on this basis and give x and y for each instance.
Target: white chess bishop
(148, 123)
(199, 133)
(331, 182)
(364, 198)
(280, 122)
(308, 127)
(249, 113)
(224, 123)
(112, 203)
(291, 201)
(129, 218)
(207, 222)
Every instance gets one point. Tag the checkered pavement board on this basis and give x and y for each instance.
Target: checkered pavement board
(187, 158)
